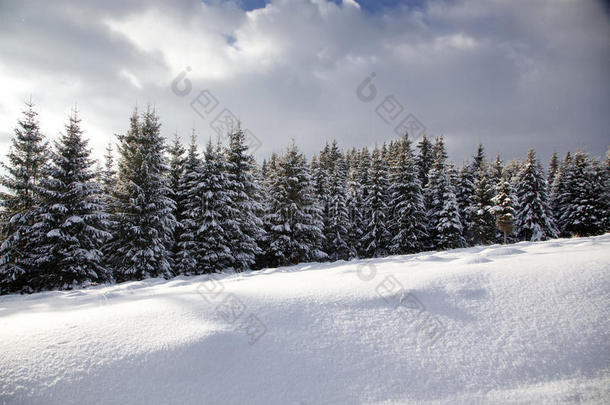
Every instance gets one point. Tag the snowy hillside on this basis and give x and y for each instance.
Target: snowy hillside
(525, 323)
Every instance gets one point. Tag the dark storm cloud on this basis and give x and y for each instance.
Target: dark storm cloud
(508, 74)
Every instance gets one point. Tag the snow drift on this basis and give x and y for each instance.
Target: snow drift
(527, 323)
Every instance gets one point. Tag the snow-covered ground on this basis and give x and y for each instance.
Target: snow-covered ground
(525, 323)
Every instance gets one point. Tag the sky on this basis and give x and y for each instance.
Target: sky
(513, 75)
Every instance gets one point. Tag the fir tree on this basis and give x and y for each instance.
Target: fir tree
(552, 172)
(361, 218)
(479, 160)
(294, 220)
(376, 238)
(336, 224)
(109, 179)
(177, 161)
(24, 170)
(424, 160)
(464, 191)
(143, 206)
(581, 214)
(71, 227)
(558, 195)
(483, 220)
(209, 210)
(503, 208)
(534, 219)
(444, 221)
(496, 171)
(354, 206)
(187, 192)
(245, 208)
(406, 199)
(604, 195)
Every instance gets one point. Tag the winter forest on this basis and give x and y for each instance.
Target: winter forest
(161, 210)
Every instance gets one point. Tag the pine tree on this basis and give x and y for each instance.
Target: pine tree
(604, 195)
(407, 202)
(108, 178)
(483, 220)
(479, 160)
(496, 171)
(552, 172)
(143, 207)
(177, 161)
(361, 219)
(209, 210)
(444, 221)
(581, 214)
(425, 159)
(534, 218)
(245, 207)
(336, 225)
(71, 227)
(294, 232)
(558, 196)
(354, 206)
(464, 191)
(503, 208)
(599, 172)
(24, 170)
(187, 191)
(376, 238)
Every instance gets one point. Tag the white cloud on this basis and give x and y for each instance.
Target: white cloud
(490, 71)
(130, 77)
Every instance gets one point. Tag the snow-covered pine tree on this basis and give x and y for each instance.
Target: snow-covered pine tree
(604, 196)
(407, 225)
(464, 192)
(477, 167)
(142, 204)
(25, 168)
(71, 222)
(512, 169)
(558, 196)
(376, 238)
(109, 179)
(600, 194)
(177, 161)
(424, 160)
(187, 189)
(209, 209)
(361, 219)
(245, 207)
(483, 220)
(552, 172)
(445, 226)
(504, 207)
(354, 205)
(479, 159)
(534, 219)
(605, 193)
(269, 173)
(319, 175)
(496, 171)
(294, 221)
(336, 230)
(581, 214)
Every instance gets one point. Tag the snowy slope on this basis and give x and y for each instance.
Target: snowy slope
(526, 323)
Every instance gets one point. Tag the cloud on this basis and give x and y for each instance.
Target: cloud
(509, 74)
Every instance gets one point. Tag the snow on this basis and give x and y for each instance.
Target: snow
(528, 323)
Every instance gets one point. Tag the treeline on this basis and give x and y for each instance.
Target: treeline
(162, 211)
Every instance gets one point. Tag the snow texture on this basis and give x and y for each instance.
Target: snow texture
(527, 323)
